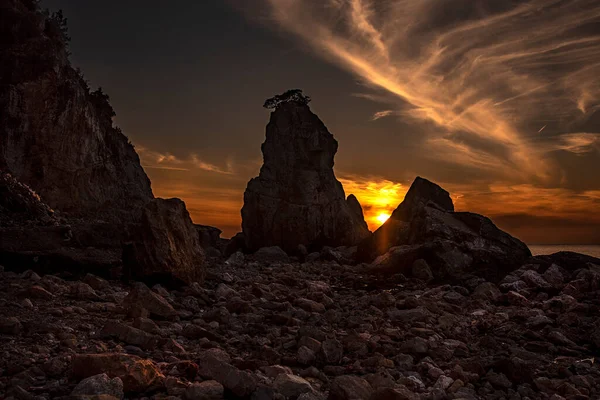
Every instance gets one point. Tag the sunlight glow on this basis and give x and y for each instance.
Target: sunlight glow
(382, 218)
(378, 197)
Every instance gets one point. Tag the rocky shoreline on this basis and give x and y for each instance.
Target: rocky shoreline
(316, 330)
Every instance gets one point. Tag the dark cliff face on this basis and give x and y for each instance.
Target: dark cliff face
(296, 199)
(55, 135)
(57, 138)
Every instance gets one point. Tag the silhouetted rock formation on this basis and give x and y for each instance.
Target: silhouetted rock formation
(425, 227)
(296, 199)
(58, 138)
(164, 244)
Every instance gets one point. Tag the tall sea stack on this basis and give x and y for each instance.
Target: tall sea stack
(296, 199)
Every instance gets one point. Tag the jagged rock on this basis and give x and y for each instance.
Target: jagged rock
(57, 137)
(99, 385)
(421, 270)
(306, 356)
(95, 282)
(236, 244)
(207, 390)
(398, 393)
(164, 244)
(236, 259)
(141, 297)
(10, 325)
(129, 335)
(136, 374)
(209, 236)
(296, 199)
(211, 241)
(240, 383)
(83, 291)
(425, 226)
(332, 351)
(291, 386)
(349, 387)
(271, 255)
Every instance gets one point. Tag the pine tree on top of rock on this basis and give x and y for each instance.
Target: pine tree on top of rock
(291, 95)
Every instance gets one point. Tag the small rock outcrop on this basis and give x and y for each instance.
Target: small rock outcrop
(425, 227)
(296, 199)
(164, 244)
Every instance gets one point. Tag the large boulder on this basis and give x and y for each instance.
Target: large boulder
(136, 374)
(296, 199)
(164, 245)
(426, 227)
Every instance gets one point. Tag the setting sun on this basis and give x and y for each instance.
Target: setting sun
(382, 217)
(378, 197)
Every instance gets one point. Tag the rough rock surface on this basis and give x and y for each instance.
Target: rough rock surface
(426, 227)
(296, 199)
(210, 240)
(164, 244)
(33, 236)
(248, 331)
(20, 205)
(55, 135)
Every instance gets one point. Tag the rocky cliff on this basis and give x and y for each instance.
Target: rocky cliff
(55, 135)
(296, 199)
(57, 138)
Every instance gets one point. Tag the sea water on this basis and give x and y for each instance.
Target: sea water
(591, 250)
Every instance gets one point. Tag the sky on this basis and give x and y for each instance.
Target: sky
(496, 101)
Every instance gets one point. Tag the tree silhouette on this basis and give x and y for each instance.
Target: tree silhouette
(59, 24)
(102, 103)
(291, 95)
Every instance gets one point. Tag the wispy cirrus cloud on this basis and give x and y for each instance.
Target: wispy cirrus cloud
(579, 143)
(167, 161)
(486, 69)
(382, 114)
